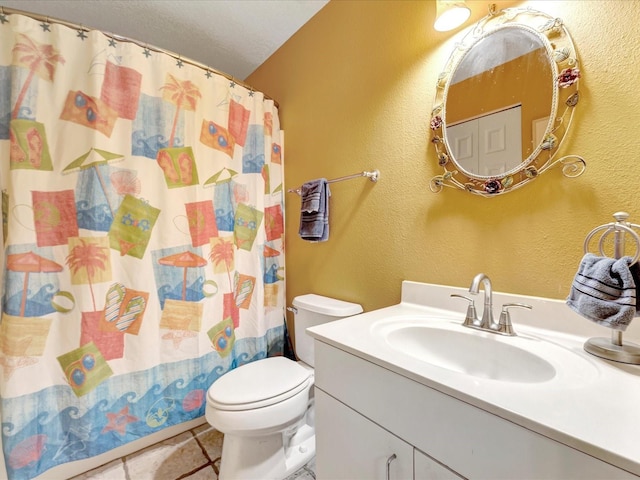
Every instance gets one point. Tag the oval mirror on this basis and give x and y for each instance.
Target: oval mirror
(504, 104)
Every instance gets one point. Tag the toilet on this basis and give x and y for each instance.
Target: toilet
(265, 408)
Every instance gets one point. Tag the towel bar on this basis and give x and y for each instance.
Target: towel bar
(373, 175)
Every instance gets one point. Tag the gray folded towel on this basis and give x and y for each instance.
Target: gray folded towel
(314, 211)
(604, 291)
(311, 193)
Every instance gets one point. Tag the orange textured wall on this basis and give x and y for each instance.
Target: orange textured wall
(356, 86)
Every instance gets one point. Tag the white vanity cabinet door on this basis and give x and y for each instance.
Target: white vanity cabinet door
(351, 447)
(426, 468)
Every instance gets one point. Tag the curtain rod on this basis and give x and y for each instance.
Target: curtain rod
(120, 38)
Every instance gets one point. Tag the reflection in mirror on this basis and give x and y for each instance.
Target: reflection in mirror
(504, 80)
(495, 122)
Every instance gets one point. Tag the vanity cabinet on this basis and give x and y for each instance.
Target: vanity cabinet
(350, 446)
(426, 468)
(367, 412)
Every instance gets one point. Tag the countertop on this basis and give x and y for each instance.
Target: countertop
(591, 404)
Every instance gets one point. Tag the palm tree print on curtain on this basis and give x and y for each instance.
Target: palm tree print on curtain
(87, 260)
(101, 342)
(29, 147)
(41, 60)
(178, 163)
(222, 257)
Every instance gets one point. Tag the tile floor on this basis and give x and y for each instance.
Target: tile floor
(192, 455)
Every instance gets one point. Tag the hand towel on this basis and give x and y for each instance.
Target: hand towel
(311, 193)
(314, 211)
(604, 291)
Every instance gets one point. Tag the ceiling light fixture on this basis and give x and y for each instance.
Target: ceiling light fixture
(450, 14)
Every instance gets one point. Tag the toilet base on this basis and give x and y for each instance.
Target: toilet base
(269, 457)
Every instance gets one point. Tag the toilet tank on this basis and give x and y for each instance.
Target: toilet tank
(311, 310)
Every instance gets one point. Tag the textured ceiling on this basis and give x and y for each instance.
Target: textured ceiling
(232, 36)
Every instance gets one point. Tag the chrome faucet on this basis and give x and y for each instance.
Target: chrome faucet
(487, 322)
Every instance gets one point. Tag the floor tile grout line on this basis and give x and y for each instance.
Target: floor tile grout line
(204, 450)
(125, 468)
(206, 453)
(188, 474)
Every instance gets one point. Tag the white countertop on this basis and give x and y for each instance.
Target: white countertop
(592, 404)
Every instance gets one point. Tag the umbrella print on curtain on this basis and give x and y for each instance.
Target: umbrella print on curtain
(28, 263)
(22, 336)
(183, 260)
(183, 316)
(93, 159)
(215, 178)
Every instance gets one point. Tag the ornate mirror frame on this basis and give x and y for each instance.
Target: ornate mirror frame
(565, 74)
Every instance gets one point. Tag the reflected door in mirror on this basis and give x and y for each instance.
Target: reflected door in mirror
(489, 145)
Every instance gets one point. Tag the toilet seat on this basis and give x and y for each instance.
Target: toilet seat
(259, 384)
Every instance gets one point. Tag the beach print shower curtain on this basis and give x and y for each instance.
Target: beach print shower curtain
(142, 210)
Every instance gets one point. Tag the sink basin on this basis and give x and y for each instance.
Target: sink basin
(479, 354)
(442, 342)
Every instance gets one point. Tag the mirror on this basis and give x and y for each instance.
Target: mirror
(504, 104)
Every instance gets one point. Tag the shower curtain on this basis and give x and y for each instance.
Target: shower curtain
(142, 228)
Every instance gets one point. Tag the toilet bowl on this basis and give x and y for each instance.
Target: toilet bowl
(265, 408)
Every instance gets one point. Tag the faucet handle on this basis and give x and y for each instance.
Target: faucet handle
(471, 320)
(504, 324)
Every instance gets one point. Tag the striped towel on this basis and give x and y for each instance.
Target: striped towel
(604, 291)
(311, 193)
(314, 211)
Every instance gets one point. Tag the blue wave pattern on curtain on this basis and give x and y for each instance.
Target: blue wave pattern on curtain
(143, 257)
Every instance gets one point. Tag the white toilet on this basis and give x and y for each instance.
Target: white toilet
(265, 408)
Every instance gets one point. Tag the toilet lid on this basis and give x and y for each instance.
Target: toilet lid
(259, 384)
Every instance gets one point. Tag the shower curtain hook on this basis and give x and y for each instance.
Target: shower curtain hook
(81, 32)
